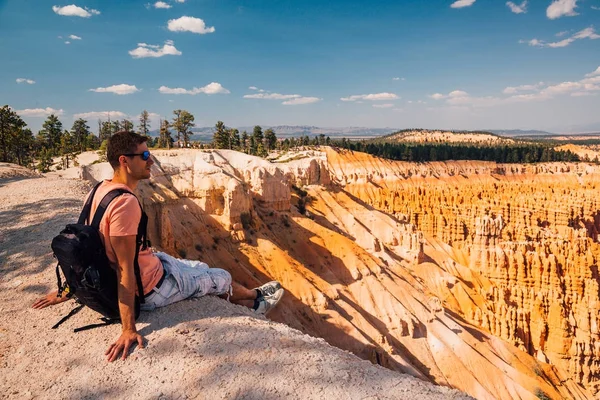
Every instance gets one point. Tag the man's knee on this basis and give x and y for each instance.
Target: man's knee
(221, 280)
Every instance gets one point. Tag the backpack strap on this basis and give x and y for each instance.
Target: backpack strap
(105, 322)
(140, 239)
(69, 315)
(85, 213)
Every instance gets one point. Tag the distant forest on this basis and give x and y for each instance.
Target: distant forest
(422, 152)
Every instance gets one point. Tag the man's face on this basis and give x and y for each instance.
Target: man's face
(139, 168)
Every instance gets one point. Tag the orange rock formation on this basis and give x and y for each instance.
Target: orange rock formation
(473, 275)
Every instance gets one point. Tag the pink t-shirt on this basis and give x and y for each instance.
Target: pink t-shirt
(121, 218)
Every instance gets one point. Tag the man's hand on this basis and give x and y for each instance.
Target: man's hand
(123, 343)
(49, 300)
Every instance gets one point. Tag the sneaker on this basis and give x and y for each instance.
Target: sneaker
(263, 305)
(268, 289)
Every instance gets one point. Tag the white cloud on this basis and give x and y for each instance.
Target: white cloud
(73, 37)
(301, 100)
(587, 33)
(457, 93)
(75, 11)
(371, 97)
(462, 3)
(149, 50)
(180, 1)
(595, 73)
(595, 8)
(31, 81)
(561, 34)
(387, 105)
(117, 89)
(522, 88)
(290, 99)
(272, 96)
(67, 42)
(211, 88)
(189, 24)
(517, 9)
(561, 8)
(398, 79)
(162, 4)
(101, 115)
(437, 96)
(588, 86)
(39, 112)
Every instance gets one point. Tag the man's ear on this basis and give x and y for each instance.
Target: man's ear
(123, 161)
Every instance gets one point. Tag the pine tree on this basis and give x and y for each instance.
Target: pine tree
(221, 136)
(51, 133)
(127, 125)
(234, 138)
(144, 127)
(80, 132)
(251, 146)
(256, 140)
(23, 146)
(244, 143)
(164, 139)
(270, 139)
(66, 149)
(183, 123)
(11, 128)
(105, 131)
(45, 160)
(115, 127)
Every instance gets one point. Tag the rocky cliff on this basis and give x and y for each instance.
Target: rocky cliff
(473, 275)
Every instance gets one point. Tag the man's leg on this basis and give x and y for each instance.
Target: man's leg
(242, 296)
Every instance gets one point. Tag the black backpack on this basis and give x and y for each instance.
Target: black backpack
(82, 258)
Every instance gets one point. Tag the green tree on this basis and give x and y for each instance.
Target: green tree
(23, 147)
(115, 126)
(270, 139)
(127, 125)
(183, 124)
(102, 151)
(80, 132)
(165, 140)
(244, 143)
(234, 139)
(105, 131)
(44, 160)
(11, 127)
(92, 141)
(66, 149)
(221, 136)
(256, 140)
(51, 133)
(144, 127)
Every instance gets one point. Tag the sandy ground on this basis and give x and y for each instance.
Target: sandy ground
(204, 348)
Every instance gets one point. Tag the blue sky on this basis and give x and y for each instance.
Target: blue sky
(466, 64)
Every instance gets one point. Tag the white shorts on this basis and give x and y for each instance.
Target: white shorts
(186, 279)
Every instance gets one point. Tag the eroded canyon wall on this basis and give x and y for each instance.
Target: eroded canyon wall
(472, 275)
(531, 230)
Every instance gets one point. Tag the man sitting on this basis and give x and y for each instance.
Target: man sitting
(165, 279)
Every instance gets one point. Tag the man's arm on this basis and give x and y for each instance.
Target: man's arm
(49, 300)
(125, 248)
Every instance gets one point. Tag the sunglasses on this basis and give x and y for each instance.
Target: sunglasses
(145, 155)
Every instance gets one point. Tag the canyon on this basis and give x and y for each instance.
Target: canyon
(472, 275)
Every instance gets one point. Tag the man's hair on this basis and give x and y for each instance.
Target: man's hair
(122, 142)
